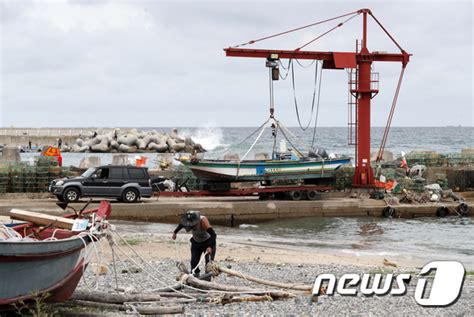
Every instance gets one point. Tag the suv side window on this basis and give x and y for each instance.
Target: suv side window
(102, 173)
(116, 173)
(136, 173)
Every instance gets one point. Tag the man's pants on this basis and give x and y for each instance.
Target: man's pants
(197, 249)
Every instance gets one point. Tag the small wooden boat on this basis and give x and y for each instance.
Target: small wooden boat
(45, 256)
(263, 170)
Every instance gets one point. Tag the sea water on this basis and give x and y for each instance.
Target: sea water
(218, 141)
(420, 239)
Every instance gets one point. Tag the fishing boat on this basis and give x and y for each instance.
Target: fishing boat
(46, 256)
(264, 170)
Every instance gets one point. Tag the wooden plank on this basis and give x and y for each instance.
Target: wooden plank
(4, 220)
(41, 219)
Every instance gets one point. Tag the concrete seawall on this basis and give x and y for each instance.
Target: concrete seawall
(44, 136)
(35, 140)
(236, 211)
(47, 136)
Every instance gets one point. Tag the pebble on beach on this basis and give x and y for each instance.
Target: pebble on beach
(325, 305)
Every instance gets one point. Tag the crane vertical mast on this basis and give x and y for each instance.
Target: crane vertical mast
(363, 91)
(363, 173)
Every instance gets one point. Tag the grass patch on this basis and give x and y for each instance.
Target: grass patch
(131, 242)
(381, 270)
(36, 308)
(178, 242)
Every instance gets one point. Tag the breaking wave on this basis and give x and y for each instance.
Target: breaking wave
(210, 138)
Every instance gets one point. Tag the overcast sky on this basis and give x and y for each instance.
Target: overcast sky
(161, 64)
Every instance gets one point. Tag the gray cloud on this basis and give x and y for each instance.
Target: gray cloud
(143, 63)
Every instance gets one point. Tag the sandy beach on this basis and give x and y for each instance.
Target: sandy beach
(159, 246)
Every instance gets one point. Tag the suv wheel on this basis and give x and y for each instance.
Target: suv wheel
(130, 195)
(71, 195)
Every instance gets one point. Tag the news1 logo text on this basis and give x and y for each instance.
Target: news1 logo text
(442, 289)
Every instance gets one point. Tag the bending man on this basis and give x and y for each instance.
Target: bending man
(203, 239)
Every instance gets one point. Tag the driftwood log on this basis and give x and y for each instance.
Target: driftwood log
(162, 297)
(74, 313)
(159, 310)
(144, 310)
(230, 299)
(86, 303)
(193, 281)
(176, 286)
(214, 267)
(102, 297)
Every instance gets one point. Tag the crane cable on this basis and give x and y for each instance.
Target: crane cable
(247, 137)
(317, 106)
(296, 29)
(390, 117)
(287, 68)
(305, 66)
(296, 101)
(328, 31)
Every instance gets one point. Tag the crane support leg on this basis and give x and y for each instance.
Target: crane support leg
(364, 176)
(363, 173)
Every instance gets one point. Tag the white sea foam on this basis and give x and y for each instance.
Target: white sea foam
(210, 138)
(245, 226)
(369, 253)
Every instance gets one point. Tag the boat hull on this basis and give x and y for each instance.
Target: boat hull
(30, 269)
(227, 171)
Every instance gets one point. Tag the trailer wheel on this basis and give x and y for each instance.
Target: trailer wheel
(389, 212)
(442, 211)
(313, 195)
(295, 195)
(463, 209)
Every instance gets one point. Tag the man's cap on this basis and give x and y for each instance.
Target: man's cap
(190, 218)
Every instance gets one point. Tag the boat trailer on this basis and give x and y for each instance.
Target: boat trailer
(292, 192)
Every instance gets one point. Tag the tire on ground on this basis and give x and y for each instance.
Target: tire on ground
(71, 195)
(463, 209)
(130, 195)
(389, 212)
(442, 211)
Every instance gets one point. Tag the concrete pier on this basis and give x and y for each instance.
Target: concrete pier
(234, 211)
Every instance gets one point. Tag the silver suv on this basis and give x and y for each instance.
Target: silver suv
(126, 183)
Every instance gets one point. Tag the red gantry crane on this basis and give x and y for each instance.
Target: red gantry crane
(363, 83)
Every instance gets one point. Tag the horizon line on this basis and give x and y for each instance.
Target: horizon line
(170, 127)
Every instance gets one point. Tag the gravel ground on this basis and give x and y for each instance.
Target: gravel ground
(359, 305)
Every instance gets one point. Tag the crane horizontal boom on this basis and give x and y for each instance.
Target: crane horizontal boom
(332, 60)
